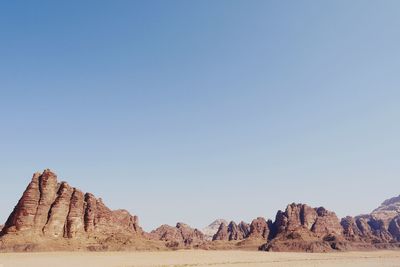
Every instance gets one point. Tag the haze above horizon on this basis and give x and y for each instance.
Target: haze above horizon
(196, 110)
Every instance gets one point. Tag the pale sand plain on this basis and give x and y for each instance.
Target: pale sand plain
(200, 258)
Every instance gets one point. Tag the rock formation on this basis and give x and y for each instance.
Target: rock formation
(232, 231)
(394, 228)
(212, 229)
(379, 227)
(319, 221)
(180, 236)
(388, 210)
(260, 229)
(49, 210)
(52, 215)
(302, 228)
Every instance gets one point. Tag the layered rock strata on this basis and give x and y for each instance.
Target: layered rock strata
(52, 210)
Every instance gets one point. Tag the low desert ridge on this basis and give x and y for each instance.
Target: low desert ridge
(200, 258)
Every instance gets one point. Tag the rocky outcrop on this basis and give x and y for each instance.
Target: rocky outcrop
(52, 210)
(259, 229)
(326, 223)
(52, 215)
(180, 236)
(212, 229)
(302, 228)
(350, 229)
(319, 221)
(232, 231)
(222, 233)
(388, 210)
(379, 227)
(394, 228)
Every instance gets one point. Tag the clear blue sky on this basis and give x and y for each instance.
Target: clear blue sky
(194, 110)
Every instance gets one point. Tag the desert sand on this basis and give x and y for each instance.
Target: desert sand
(200, 258)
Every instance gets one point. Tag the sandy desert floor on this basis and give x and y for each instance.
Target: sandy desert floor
(200, 258)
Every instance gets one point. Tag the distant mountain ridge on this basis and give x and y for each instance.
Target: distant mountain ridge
(52, 215)
(388, 210)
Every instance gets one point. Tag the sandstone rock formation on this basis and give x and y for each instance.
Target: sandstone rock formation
(222, 233)
(52, 215)
(180, 236)
(232, 231)
(212, 229)
(394, 228)
(260, 228)
(319, 221)
(379, 227)
(302, 228)
(388, 210)
(49, 210)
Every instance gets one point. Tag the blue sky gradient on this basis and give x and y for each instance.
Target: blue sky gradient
(195, 110)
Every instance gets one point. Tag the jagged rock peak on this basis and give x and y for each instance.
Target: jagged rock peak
(317, 220)
(212, 228)
(48, 208)
(232, 231)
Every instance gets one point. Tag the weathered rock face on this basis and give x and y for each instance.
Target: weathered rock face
(232, 231)
(75, 221)
(181, 235)
(302, 228)
(384, 220)
(379, 227)
(244, 228)
(259, 229)
(238, 232)
(27, 215)
(388, 210)
(222, 233)
(326, 223)
(319, 221)
(368, 229)
(48, 209)
(394, 228)
(350, 229)
(212, 229)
